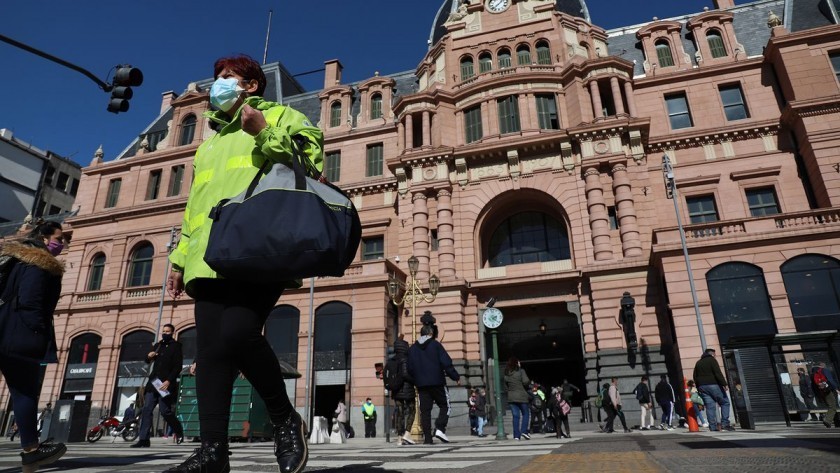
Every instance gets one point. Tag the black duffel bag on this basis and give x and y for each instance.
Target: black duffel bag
(286, 225)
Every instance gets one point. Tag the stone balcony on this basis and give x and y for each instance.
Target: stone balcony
(508, 71)
(785, 225)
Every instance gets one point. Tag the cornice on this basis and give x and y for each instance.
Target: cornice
(144, 210)
(712, 15)
(121, 165)
(696, 73)
(811, 108)
(700, 137)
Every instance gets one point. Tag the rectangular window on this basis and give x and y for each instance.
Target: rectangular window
(74, 187)
(613, 218)
(678, 112)
(335, 115)
(374, 160)
(332, 166)
(153, 187)
(762, 201)
(702, 209)
(54, 210)
(508, 114)
(472, 124)
(49, 176)
(547, 112)
(434, 243)
(373, 248)
(113, 193)
(61, 183)
(835, 63)
(733, 102)
(176, 180)
(155, 138)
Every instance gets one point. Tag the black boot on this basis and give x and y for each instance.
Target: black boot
(290, 444)
(209, 458)
(141, 444)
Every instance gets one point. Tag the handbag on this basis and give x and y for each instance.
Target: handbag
(286, 225)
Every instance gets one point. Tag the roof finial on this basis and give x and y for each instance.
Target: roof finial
(774, 20)
(97, 156)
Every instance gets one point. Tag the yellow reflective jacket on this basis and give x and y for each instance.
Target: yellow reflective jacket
(223, 167)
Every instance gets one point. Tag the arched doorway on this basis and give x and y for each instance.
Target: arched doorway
(81, 367)
(281, 331)
(546, 339)
(331, 363)
(189, 344)
(132, 372)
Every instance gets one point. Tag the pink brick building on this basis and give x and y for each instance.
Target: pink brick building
(522, 161)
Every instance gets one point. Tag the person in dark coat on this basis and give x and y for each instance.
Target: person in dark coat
(405, 396)
(480, 411)
(516, 381)
(168, 358)
(30, 279)
(130, 413)
(642, 392)
(712, 387)
(427, 363)
(664, 394)
(806, 389)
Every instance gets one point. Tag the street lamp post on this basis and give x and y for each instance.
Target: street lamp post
(413, 294)
(671, 187)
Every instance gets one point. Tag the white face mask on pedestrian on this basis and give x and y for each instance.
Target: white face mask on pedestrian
(225, 92)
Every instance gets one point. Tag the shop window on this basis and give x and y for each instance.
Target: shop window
(812, 283)
(281, 331)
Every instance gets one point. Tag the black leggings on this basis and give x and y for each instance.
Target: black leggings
(229, 318)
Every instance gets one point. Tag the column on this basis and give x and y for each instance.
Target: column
(420, 240)
(596, 99)
(409, 132)
(631, 101)
(400, 137)
(599, 221)
(446, 234)
(427, 129)
(631, 243)
(616, 91)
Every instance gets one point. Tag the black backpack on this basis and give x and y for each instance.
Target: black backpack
(392, 377)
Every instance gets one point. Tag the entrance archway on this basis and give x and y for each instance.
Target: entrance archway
(333, 322)
(546, 339)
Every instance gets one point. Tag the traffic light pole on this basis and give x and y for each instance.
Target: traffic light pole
(102, 85)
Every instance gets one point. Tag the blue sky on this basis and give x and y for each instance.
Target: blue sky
(176, 42)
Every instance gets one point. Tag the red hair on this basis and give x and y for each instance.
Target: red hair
(244, 66)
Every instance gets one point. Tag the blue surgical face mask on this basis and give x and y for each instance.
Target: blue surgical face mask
(224, 93)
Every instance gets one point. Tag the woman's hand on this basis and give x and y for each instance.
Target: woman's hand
(175, 284)
(253, 121)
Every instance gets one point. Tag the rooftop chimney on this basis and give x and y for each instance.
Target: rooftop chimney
(332, 73)
(724, 4)
(168, 97)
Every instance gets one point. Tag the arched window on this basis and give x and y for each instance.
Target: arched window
(812, 283)
(97, 270)
(467, 69)
(523, 55)
(485, 62)
(281, 331)
(740, 302)
(376, 106)
(187, 130)
(716, 43)
(504, 58)
(333, 322)
(543, 53)
(189, 344)
(132, 371)
(663, 53)
(528, 237)
(140, 268)
(84, 349)
(335, 114)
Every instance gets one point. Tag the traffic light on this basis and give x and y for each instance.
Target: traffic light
(125, 78)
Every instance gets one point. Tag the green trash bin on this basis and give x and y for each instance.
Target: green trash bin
(248, 414)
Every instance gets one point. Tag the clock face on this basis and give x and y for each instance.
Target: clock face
(492, 318)
(497, 6)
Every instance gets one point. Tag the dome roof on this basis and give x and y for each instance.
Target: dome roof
(570, 7)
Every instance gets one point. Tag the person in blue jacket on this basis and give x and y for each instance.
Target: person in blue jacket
(30, 285)
(427, 363)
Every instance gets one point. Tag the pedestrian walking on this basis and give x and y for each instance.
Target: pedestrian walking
(537, 406)
(712, 388)
(130, 413)
(699, 405)
(369, 416)
(341, 416)
(560, 410)
(828, 389)
(642, 393)
(161, 388)
(806, 390)
(615, 398)
(30, 285)
(427, 363)
(568, 389)
(516, 382)
(609, 408)
(665, 397)
(405, 395)
(471, 412)
(230, 314)
(480, 411)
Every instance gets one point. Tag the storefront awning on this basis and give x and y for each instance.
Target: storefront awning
(783, 339)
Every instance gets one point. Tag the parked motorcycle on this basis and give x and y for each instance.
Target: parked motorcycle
(128, 430)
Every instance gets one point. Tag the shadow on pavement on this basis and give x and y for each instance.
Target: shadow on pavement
(821, 444)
